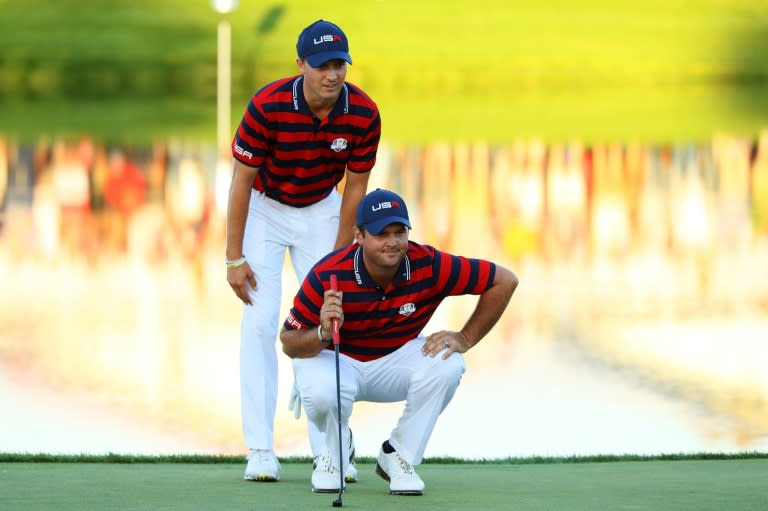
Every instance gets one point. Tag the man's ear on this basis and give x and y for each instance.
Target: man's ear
(359, 235)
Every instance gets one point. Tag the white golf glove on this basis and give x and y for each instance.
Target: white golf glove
(294, 402)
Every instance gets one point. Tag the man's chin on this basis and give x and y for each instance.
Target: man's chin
(393, 259)
(330, 96)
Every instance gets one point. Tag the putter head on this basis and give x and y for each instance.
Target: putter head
(337, 503)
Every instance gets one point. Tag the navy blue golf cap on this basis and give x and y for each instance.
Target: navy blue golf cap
(322, 41)
(379, 209)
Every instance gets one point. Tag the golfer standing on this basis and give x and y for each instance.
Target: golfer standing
(299, 136)
(388, 289)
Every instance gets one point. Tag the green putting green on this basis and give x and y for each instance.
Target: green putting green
(684, 484)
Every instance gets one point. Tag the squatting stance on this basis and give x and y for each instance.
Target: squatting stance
(388, 289)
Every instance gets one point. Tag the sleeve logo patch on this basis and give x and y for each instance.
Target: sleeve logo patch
(291, 321)
(242, 152)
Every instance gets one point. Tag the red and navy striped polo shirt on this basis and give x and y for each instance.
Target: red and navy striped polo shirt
(378, 321)
(301, 158)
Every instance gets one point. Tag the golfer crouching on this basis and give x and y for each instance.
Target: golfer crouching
(388, 289)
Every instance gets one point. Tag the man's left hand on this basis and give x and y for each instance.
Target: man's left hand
(446, 341)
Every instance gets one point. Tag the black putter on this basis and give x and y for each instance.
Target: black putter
(336, 341)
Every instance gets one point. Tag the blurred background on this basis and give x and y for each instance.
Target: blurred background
(614, 154)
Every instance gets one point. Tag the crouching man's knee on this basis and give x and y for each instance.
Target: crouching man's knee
(441, 373)
(318, 402)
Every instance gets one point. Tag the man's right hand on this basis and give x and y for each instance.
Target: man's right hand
(241, 275)
(240, 278)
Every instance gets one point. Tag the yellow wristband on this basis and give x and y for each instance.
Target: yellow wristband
(236, 262)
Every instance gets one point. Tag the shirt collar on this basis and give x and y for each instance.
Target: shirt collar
(300, 102)
(363, 279)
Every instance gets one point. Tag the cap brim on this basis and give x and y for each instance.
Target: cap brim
(319, 59)
(376, 227)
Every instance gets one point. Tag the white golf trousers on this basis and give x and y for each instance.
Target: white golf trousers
(270, 229)
(426, 384)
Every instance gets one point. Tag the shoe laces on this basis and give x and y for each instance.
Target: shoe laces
(323, 463)
(404, 465)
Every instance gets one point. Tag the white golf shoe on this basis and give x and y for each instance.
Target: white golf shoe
(325, 477)
(262, 466)
(403, 480)
(350, 474)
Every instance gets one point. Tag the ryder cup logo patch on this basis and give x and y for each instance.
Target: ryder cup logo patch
(407, 309)
(339, 144)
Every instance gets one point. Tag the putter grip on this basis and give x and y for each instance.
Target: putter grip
(335, 322)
